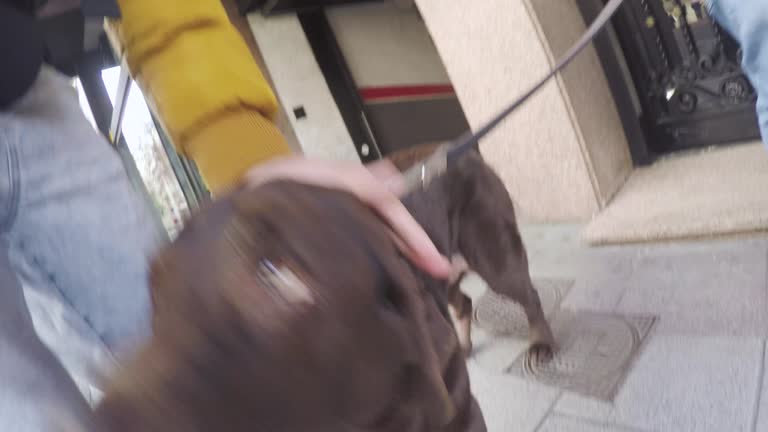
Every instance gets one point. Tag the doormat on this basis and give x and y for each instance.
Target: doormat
(500, 316)
(596, 352)
(689, 196)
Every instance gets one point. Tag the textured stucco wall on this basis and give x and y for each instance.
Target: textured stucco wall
(586, 92)
(298, 81)
(540, 152)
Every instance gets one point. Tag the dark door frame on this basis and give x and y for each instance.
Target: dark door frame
(340, 82)
(632, 121)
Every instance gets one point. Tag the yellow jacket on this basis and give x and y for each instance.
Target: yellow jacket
(203, 83)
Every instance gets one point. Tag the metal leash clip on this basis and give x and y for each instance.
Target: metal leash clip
(423, 173)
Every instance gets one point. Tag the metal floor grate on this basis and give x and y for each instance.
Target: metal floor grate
(596, 352)
(502, 317)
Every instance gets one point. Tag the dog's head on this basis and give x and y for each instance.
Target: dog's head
(287, 307)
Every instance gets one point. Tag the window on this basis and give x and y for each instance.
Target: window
(148, 151)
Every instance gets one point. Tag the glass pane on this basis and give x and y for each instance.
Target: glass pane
(152, 162)
(111, 78)
(84, 105)
(146, 149)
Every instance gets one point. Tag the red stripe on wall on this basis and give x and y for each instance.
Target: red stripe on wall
(370, 94)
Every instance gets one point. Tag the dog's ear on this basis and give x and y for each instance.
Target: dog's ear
(429, 388)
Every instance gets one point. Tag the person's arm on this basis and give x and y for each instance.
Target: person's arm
(217, 106)
(378, 185)
(204, 84)
(21, 54)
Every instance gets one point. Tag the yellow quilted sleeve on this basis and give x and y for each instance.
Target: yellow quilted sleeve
(203, 83)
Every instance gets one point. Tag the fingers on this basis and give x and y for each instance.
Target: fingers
(377, 185)
(414, 242)
(384, 171)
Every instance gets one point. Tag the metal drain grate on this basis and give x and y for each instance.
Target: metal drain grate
(596, 351)
(503, 317)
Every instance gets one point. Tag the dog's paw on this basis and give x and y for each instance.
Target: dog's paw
(542, 352)
(543, 343)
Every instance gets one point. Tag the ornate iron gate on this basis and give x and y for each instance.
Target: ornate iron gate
(687, 75)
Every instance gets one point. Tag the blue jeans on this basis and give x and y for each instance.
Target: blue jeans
(78, 237)
(747, 21)
(37, 392)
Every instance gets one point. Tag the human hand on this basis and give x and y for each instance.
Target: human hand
(378, 184)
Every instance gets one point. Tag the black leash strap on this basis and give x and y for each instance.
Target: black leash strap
(420, 175)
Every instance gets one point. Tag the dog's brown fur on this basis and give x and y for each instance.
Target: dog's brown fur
(362, 347)
(368, 346)
(468, 213)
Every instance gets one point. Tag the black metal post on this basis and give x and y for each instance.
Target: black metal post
(343, 88)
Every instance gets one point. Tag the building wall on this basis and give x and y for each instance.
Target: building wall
(298, 82)
(405, 89)
(557, 165)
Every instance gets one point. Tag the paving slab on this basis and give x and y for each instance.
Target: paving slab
(683, 247)
(714, 290)
(556, 251)
(560, 423)
(509, 403)
(599, 283)
(761, 405)
(494, 353)
(680, 384)
(703, 366)
(553, 250)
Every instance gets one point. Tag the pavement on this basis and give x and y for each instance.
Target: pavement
(702, 368)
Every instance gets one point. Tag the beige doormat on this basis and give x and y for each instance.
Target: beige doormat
(695, 195)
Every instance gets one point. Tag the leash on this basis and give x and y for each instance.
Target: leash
(444, 157)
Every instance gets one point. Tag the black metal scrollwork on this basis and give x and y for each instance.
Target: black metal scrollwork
(687, 73)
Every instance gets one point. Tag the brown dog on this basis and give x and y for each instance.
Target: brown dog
(469, 216)
(288, 308)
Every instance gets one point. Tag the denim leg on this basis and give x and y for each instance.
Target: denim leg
(79, 237)
(79, 225)
(36, 392)
(747, 21)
